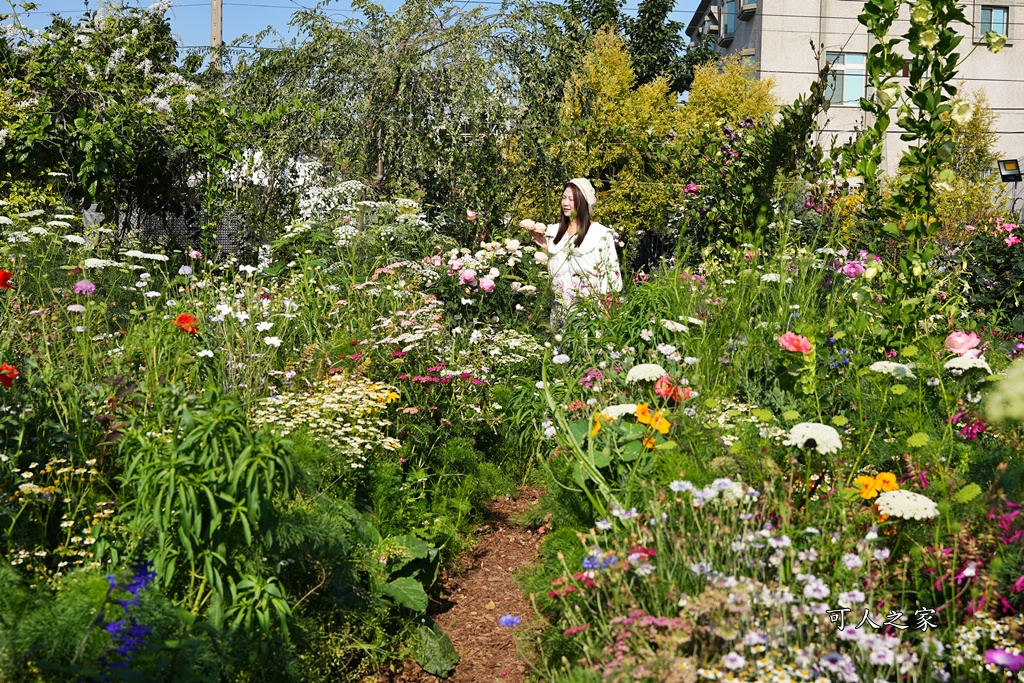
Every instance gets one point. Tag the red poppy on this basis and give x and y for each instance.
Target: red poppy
(8, 373)
(5, 279)
(187, 323)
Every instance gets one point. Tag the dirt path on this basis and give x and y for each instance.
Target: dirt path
(473, 599)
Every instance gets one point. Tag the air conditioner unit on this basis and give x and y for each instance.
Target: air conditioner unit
(747, 8)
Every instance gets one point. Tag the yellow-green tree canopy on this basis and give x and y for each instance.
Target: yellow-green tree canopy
(730, 90)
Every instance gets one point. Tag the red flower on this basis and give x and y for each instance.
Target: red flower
(187, 323)
(5, 279)
(8, 373)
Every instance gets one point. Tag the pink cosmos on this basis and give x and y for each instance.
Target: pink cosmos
(1011, 240)
(467, 277)
(1001, 657)
(794, 342)
(487, 284)
(963, 343)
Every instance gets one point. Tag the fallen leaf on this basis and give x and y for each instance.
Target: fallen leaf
(490, 604)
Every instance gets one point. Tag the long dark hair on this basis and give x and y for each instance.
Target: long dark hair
(582, 211)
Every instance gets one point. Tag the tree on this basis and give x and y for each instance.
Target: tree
(596, 14)
(655, 45)
(102, 101)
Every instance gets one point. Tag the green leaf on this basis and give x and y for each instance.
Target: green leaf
(432, 649)
(909, 352)
(407, 592)
(631, 451)
(791, 415)
(968, 493)
(917, 440)
(416, 547)
(762, 414)
(899, 389)
(838, 420)
(579, 429)
(603, 457)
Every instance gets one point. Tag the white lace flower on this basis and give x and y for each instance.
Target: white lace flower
(895, 369)
(645, 372)
(906, 505)
(961, 363)
(75, 239)
(617, 411)
(99, 263)
(673, 326)
(821, 438)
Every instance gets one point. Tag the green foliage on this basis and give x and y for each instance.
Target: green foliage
(655, 43)
(204, 493)
(727, 90)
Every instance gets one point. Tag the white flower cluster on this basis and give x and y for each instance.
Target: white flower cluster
(645, 372)
(895, 369)
(822, 438)
(906, 505)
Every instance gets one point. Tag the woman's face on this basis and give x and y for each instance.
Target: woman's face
(568, 202)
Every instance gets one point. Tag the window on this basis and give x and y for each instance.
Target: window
(747, 7)
(848, 78)
(728, 18)
(994, 19)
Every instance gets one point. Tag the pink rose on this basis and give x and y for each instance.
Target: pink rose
(1011, 240)
(794, 342)
(487, 284)
(467, 277)
(963, 343)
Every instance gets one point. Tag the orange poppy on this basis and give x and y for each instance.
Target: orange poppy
(187, 323)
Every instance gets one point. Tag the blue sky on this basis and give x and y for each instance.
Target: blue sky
(190, 19)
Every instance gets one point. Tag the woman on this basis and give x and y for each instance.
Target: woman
(581, 254)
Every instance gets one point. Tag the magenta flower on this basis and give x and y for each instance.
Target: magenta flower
(1001, 657)
(1011, 240)
(691, 188)
(84, 287)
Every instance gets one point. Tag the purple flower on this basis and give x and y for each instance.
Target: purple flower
(509, 620)
(84, 287)
(1001, 657)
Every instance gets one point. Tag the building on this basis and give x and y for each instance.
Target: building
(777, 35)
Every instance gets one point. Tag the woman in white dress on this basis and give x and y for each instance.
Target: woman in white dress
(582, 258)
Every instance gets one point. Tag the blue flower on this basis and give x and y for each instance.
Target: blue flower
(591, 562)
(509, 620)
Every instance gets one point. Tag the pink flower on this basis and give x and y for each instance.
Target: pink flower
(195, 253)
(969, 228)
(1011, 240)
(691, 188)
(487, 284)
(852, 269)
(794, 342)
(84, 287)
(467, 277)
(963, 343)
(1001, 657)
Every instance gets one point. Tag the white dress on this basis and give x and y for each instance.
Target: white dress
(591, 268)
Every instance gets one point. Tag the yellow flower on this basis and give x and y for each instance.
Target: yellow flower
(643, 414)
(867, 484)
(392, 396)
(929, 39)
(660, 423)
(886, 481)
(597, 424)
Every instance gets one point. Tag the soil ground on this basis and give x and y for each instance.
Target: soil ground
(480, 591)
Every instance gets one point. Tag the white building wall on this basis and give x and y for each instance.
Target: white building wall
(779, 37)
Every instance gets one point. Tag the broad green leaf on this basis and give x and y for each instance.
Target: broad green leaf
(917, 440)
(838, 420)
(762, 414)
(407, 593)
(415, 546)
(909, 352)
(791, 415)
(433, 650)
(631, 451)
(579, 430)
(899, 389)
(968, 493)
(603, 457)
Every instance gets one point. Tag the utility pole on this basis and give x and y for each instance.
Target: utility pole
(216, 33)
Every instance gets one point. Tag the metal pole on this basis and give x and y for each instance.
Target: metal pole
(216, 33)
